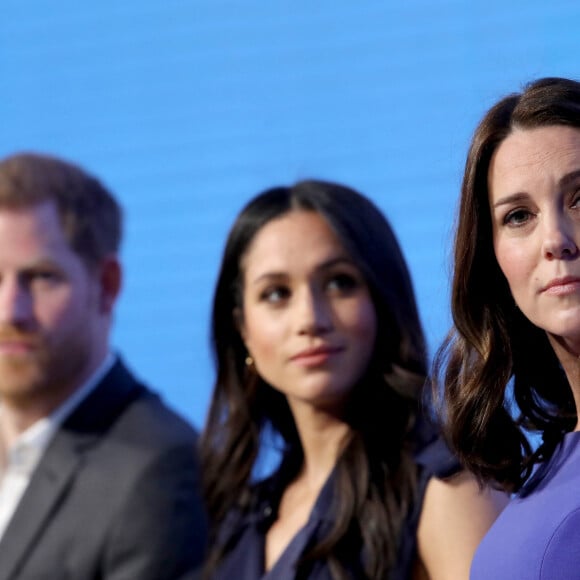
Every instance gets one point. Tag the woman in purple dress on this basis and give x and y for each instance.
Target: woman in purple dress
(319, 348)
(512, 364)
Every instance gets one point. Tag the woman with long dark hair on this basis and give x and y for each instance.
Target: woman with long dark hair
(318, 346)
(511, 366)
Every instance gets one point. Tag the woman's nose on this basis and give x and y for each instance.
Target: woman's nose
(559, 239)
(315, 316)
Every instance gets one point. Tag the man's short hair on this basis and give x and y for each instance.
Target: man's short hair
(91, 217)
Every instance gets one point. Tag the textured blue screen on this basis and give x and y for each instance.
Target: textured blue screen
(188, 108)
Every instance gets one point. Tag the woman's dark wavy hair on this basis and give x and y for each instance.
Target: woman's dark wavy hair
(375, 473)
(493, 344)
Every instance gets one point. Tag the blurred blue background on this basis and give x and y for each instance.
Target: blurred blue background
(187, 108)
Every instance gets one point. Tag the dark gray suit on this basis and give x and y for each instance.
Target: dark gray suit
(115, 496)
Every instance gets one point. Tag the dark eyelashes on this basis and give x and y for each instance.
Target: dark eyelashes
(339, 282)
(516, 216)
(268, 293)
(345, 281)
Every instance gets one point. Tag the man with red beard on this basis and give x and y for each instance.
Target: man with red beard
(98, 479)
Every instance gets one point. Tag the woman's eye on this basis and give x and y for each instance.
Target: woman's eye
(275, 295)
(343, 282)
(517, 217)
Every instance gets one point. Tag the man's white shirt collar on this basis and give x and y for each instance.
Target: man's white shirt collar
(24, 455)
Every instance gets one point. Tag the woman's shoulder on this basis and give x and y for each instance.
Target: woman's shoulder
(456, 514)
(453, 511)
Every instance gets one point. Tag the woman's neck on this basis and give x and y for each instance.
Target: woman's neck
(323, 437)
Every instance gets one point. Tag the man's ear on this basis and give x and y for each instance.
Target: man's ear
(110, 280)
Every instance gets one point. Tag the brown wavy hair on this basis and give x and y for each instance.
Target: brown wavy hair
(493, 346)
(91, 217)
(375, 474)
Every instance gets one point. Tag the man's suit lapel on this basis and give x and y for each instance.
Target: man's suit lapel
(59, 466)
(49, 484)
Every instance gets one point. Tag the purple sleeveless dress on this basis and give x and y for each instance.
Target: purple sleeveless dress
(537, 536)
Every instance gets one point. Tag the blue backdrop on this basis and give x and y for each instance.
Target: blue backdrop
(186, 108)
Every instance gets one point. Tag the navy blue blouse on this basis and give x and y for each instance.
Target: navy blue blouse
(244, 534)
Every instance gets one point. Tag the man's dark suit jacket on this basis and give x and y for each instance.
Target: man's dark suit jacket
(115, 496)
